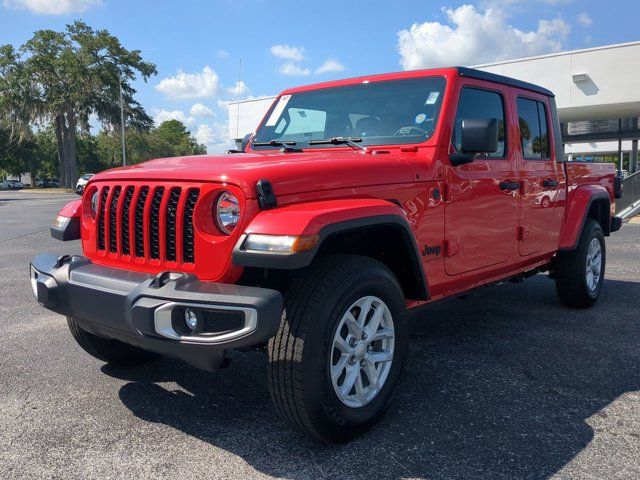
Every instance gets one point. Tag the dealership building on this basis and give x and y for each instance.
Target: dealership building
(597, 94)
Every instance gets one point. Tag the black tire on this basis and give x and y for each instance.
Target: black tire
(299, 373)
(108, 350)
(570, 268)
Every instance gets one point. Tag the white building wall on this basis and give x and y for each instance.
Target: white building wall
(610, 91)
(245, 115)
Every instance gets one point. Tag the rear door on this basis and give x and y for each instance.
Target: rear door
(481, 211)
(538, 173)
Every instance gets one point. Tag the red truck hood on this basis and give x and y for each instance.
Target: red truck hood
(289, 173)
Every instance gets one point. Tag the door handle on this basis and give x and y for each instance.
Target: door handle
(548, 182)
(509, 185)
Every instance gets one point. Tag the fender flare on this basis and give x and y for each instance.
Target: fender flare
(577, 212)
(325, 218)
(67, 224)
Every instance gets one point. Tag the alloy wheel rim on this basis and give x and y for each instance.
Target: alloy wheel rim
(593, 269)
(362, 351)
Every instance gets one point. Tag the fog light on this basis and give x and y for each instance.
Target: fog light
(190, 318)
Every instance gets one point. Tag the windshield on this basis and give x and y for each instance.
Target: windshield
(377, 113)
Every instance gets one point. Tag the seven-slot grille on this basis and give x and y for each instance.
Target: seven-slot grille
(148, 222)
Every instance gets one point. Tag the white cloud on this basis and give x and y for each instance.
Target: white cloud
(185, 86)
(161, 115)
(222, 54)
(286, 52)
(471, 36)
(199, 110)
(585, 20)
(216, 137)
(240, 88)
(51, 7)
(294, 70)
(330, 65)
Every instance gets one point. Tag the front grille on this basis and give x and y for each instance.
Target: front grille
(101, 215)
(143, 221)
(139, 222)
(125, 238)
(154, 223)
(170, 225)
(187, 243)
(113, 212)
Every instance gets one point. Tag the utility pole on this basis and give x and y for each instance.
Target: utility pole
(124, 150)
(238, 98)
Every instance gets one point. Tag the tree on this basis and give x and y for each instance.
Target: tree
(19, 155)
(63, 77)
(170, 139)
(173, 137)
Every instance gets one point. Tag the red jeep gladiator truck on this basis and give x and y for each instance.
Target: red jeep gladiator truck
(354, 201)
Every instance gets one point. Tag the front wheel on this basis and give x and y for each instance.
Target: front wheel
(579, 274)
(336, 360)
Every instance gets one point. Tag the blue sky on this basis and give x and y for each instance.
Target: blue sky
(197, 44)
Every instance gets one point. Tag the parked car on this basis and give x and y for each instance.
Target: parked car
(82, 181)
(354, 201)
(12, 185)
(47, 183)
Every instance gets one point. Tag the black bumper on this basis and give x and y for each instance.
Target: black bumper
(144, 310)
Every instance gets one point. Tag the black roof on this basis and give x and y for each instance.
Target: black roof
(492, 77)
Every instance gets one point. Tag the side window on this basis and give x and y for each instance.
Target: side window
(475, 104)
(532, 120)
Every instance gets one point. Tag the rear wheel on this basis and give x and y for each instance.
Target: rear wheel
(109, 350)
(579, 274)
(336, 360)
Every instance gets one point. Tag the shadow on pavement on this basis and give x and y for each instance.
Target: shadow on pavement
(498, 385)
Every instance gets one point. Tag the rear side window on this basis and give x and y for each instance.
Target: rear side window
(532, 120)
(476, 104)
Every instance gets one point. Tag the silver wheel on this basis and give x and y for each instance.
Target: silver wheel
(362, 351)
(594, 265)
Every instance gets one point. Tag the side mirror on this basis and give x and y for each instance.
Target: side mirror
(477, 136)
(245, 141)
(618, 186)
(240, 144)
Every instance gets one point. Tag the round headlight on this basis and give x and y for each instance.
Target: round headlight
(226, 212)
(94, 203)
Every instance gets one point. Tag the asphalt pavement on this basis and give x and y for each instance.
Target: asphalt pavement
(505, 383)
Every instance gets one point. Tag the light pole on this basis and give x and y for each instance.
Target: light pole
(124, 150)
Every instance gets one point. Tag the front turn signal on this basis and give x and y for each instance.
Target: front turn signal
(280, 243)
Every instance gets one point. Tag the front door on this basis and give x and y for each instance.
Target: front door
(481, 212)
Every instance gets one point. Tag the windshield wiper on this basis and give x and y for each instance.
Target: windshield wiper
(287, 145)
(351, 141)
(274, 143)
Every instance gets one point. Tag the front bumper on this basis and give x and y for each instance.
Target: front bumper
(146, 310)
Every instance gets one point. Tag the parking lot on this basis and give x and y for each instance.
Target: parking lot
(504, 383)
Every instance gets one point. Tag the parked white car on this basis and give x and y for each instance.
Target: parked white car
(12, 185)
(82, 181)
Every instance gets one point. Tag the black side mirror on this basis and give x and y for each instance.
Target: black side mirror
(618, 186)
(477, 136)
(241, 144)
(245, 141)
